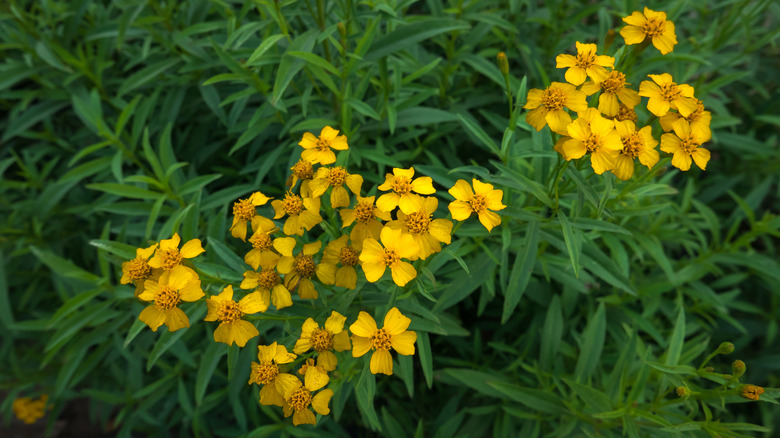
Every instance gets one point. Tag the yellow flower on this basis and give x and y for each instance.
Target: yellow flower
(367, 217)
(136, 271)
(323, 340)
(300, 269)
(366, 336)
(29, 410)
(335, 177)
(585, 64)
(298, 400)
(175, 286)
(244, 211)
(375, 259)
(304, 213)
(613, 88)
(751, 392)
(267, 373)
(665, 94)
(699, 118)
(547, 106)
(231, 327)
(402, 185)
(303, 171)
(480, 201)
(262, 253)
(686, 145)
(168, 255)
(653, 25)
(340, 252)
(626, 113)
(594, 134)
(636, 144)
(427, 232)
(269, 284)
(318, 150)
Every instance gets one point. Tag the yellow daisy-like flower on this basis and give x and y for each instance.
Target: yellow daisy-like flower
(137, 271)
(269, 284)
(480, 201)
(366, 218)
(175, 286)
(652, 25)
(267, 373)
(318, 150)
(700, 118)
(262, 253)
(366, 336)
(323, 340)
(297, 401)
(595, 135)
(302, 171)
(402, 183)
(168, 255)
(585, 65)
(340, 252)
(636, 144)
(664, 94)
(613, 88)
(231, 327)
(427, 232)
(375, 258)
(300, 269)
(30, 410)
(547, 106)
(626, 113)
(335, 177)
(686, 145)
(303, 213)
(244, 210)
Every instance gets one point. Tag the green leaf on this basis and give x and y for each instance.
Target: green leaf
(208, 364)
(592, 345)
(572, 242)
(6, 315)
(290, 65)
(124, 190)
(267, 43)
(426, 357)
(146, 75)
(678, 337)
(65, 268)
(406, 36)
(552, 333)
(480, 134)
(168, 339)
(521, 272)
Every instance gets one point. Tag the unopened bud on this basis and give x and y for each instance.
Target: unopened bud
(738, 368)
(683, 392)
(750, 392)
(609, 39)
(726, 348)
(503, 64)
(342, 30)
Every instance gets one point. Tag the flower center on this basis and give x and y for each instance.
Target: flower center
(261, 241)
(292, 204)
(301, 399)
(626, 113)
(323, 145)
(692, 117)
(614, 82)
(336, 176)
(653, 27)
(304, 266)
(669, 91)
(592, 143)
(167, 298)
(401, 185)
(303, 169)
(265, 372)
(380, 340)
(553, 98)
(348, 256)
(244, 210)
(478, 203)
(689, 144)
(390, 257)
(229, 312)
(418, 222)
(138, 269)
(268, 278)
(171, 258)
(322, 340)
(585, 59)
(364, 212)
(632, 144)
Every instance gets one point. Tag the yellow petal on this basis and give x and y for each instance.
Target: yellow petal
(701, 156)
(602, 161)
(635, 19)
(388, 201)
(423, 185)
(360, 345)
(192, 291)
(305, 416)
(346, 276)
(664, 42)
(341, 341)
(534, 98)
(239, 332)
(575, 75)
(365, 326)
(681, 160)
(373, 270)
(395, 322)
(193, 248)
(537, 117)
(153, 317)
(335, 322)
(403, 343)
(489, 219)
(253, 303)
(320, 401)
(306, 290)
(287, 384)
(624, 167)
(269, 396)
(282, 356)
(382, 362)
(281, 297)
(176, 319)
(327, 360)
(402, 273)
(460, 210)
(632, 34)
(564, 61)
(409, 203)
(670, 143)
(315, 379)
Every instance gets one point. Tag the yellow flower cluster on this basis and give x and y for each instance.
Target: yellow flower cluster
(609, 133)
(30, 410)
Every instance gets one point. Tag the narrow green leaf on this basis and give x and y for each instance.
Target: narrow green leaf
(267, 43)
(678, 337)
(521, 272)
(208, 364)
(552, 333)
(480, 134)
(426, 357)
(592, 345)
(406, 36)
(572, 243)
(124, 190)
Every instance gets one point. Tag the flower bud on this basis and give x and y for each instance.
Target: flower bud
(750, 392)
(738, 368)
(726, 348)
(609, 39)
(683, 392)
(342, 30)
(503, 64)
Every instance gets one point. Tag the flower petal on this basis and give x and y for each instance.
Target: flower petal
(364, 326)
(382, 362)
(403, 343)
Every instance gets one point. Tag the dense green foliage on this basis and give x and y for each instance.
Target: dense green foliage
(126, 121)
